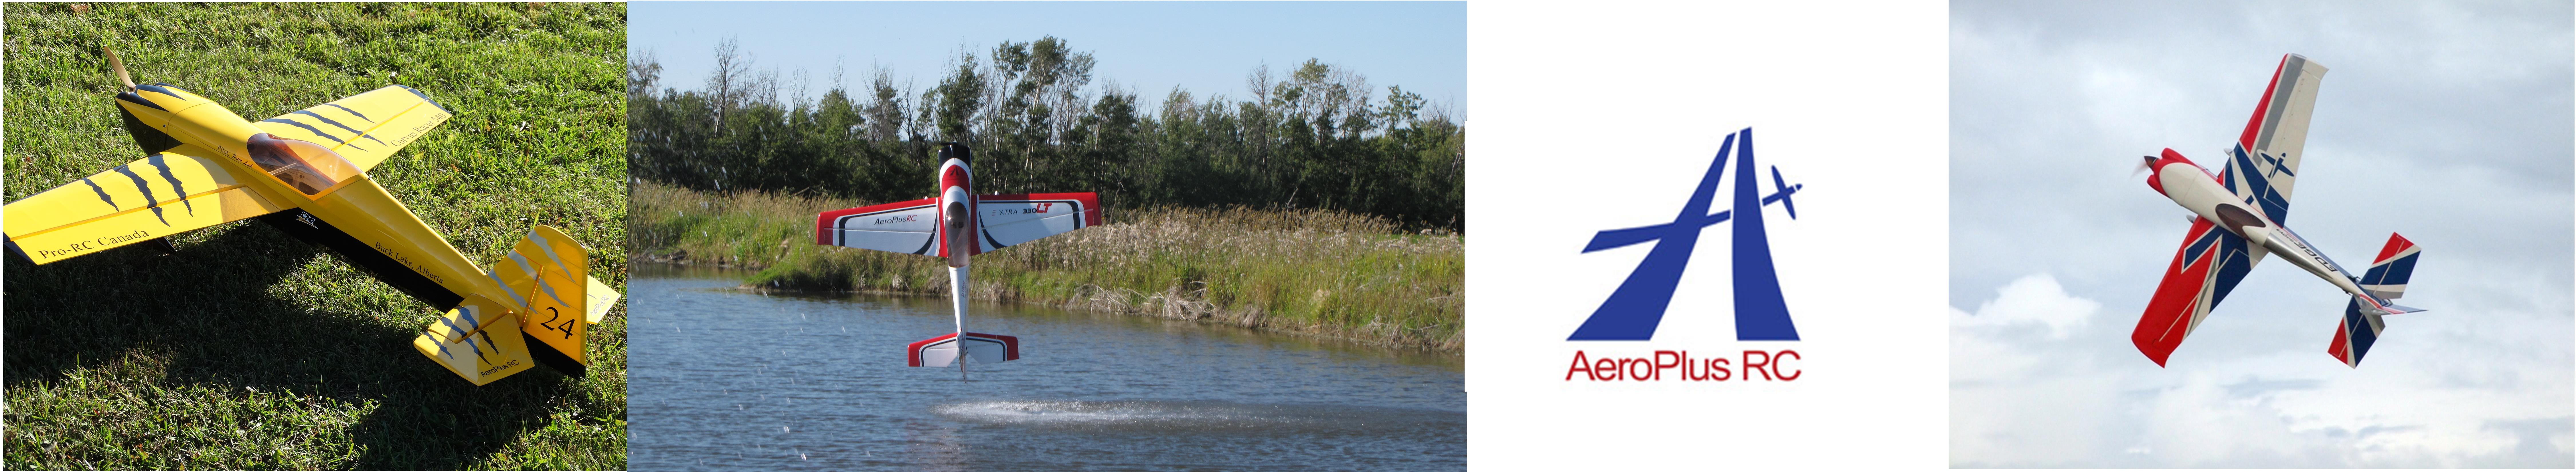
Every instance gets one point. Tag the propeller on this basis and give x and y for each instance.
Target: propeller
(119, 66)
(2143, 167)
(1783, 192)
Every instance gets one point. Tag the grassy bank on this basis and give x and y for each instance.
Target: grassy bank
(248, 349)
(1317, 273)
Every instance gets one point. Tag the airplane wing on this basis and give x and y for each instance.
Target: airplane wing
(365, 128)
(2209, 264)
(159, 195)
(906, 227)
(2265, 160)
(1013, 219)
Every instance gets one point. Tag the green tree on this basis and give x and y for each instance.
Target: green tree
(1314, 138)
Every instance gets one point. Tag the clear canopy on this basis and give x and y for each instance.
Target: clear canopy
(306, 167)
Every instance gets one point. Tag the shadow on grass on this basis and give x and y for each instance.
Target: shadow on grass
(219, 312)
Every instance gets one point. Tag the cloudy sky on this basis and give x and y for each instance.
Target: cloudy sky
(2449, 123)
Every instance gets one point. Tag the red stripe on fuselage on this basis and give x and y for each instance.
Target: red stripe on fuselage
(953, 174)
(2171, 156)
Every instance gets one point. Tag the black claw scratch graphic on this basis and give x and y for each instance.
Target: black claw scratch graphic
(148, 200)
(175, 186)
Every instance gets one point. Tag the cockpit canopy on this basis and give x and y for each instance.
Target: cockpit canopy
(306, 167)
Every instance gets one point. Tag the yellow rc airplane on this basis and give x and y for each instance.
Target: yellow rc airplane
(305, 173)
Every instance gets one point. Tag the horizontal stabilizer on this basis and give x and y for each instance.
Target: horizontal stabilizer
(2375, 305)
(2392, 309)
(602, 299)
(479, 340)
(985, 348)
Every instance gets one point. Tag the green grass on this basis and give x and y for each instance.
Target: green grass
(1317, 273)
(248, 349)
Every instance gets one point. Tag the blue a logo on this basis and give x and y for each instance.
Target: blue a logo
(1632, 312)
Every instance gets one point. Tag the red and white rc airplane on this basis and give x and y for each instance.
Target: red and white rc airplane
(955, 225)
(2239, 215)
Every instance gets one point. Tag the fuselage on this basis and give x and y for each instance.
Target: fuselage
(956, 208)
(957, 233)
(325, 184)
(2192, 187)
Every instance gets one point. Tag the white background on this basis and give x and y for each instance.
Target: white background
(1593, 117)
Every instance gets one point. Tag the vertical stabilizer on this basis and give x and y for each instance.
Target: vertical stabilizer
(2354, 334)
(2362, 322)
(548, 274)
(2388, 272)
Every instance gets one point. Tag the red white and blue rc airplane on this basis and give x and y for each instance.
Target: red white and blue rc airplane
(2238, 219)
(954, 225)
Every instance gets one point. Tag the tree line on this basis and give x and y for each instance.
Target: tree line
(1315, 137)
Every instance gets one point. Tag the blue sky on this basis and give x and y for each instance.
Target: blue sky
(1207, 48)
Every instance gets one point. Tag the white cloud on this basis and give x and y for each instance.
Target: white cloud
(2011, 395)
(2025, 394)
(2034, 299)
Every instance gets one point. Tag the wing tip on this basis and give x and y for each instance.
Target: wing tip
(823, 228)
(21, 253)
(2396, 243)
(424, 96)
(2154, 355)
(2151, 342)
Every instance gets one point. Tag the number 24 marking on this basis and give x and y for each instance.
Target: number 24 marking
(553, 314)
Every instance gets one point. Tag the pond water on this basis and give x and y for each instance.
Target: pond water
(721, 379)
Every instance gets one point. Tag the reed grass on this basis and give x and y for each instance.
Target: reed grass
(1311, 272)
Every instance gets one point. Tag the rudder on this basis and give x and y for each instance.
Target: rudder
(2389, 272)
(2354, 334)
(548, 274)
(2386, 279)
